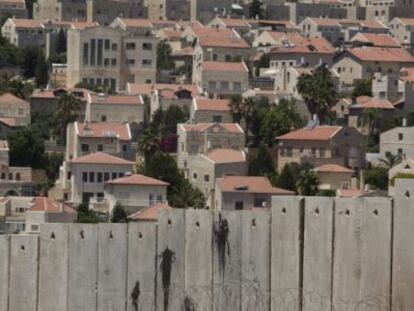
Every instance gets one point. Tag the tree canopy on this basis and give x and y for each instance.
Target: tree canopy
(362, 88)
(318, 91)
(164, 60)
(26, 148)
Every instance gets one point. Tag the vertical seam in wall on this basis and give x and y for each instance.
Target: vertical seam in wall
(332, 250)
(156, 267)
(8, 271)
(392, 250)
(126, 267)
(301, 247)
(97, 232)
(38, 272)
(67, 231)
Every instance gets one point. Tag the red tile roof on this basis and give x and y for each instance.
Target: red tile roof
(212, 104)
(187, 51)
(366, 102)
(27, 23)
(224, 66)
(201, 127)
(10, 122)
(103, 129)
(226, 155)
(380, 40)
(332, 168)
(137, 179)
(379, 54)
(148, 214)
(238, 22)
(147, 89)
(221, 38)
(8, 98)
(101, 158)
(116, 99)
(299, 44)
(318, 133)
(406, 21)
(329, 22)
(47, 205)
(249, 184)
(407, 74)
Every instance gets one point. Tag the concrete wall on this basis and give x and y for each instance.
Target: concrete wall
(303, 254)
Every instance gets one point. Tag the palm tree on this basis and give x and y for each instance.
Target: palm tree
(235, 105)
(307, 183)
(391, 160)
(148, 144)
(247, 109)
(68, 111)
(369, 119)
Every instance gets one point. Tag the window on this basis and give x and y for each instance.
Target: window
(130, 62)
(236, 86)
(207, 178)
(159, 198)
(151, 199)
(106, 176)
(400, 136)
(259, 202)
(93, 48)
(114, 175)
(146, 63)
(106, 62)
(114, 46)
(195, 176)
(147, 46)
(113, 84)
(400, 152)
(85, 177)
(321, 152)
(212, 85)
(124, 148)
(68, 175)
(215, 57)
(85, 147)
(34, 227)
(3, 175)
(91, 177)
(107, 44)
(289, 151)
(313, 150)
(224, 85)
(85, 53)
(113, 62)
(130, 45)
(239, 205)
(228, 58)
(100, 50)
(99, 177)
(217, 119)
(103, 118)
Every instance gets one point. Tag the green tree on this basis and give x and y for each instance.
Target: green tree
(41, 70)
(256, 9)
(264, 62)
(171, 117)
(85, 215)
(362, 88)
(262, 163)
(10, 55)
(377, 177)
(280, 120)
(164, 59)
(29, 61)
(248, 113)
(118, 213)
(148, 144)
(371, 119)
(391, 160)
(236, 108)
(61, 42)
(286, 178)
(68, 110)
(318, 91)
(26, 148)
(307, 183)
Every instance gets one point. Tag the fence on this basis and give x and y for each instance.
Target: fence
(306, 254)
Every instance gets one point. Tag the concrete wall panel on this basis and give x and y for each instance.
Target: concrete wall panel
(286, 253)
(227, 263)
(83, 267)
(403, 249)
(112, 267)
(53, 267)
(4, 271)
(348, 239)
(170, 260)
(256, 260)
(317, 254)
(198, 260)
(142, 246)
(24, 252)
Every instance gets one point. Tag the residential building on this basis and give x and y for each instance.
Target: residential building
(373, 39)
(404, 169)
(60, 10)
(169, 9)
(204, 169)
(222, 79)
(135, 192)
(245, 192)
(111, 138)
(15, 108)
(162, 96)
(149, 213)
(16, 8)
(199, 138)
(110, 57)
(206, 10)
(105, 11)
(24, 32)
(274, 38)
(43, 210)
(333, 177)
(90, 172)
(13, 213)
(402, 29)
(117, 109)
(217, 45)
(322, 144)
(362, 62)
(205, 110)
(398, 141)
(299, 51)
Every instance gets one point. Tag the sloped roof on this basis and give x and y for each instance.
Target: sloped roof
(47, 205)
(101, 158)
(298, 44)
(318, 133)
(249, 184)
(332, 168)
(224, 66)
(379, 40)
(212, 104)
(148, 214)
(201, 127)
(116, 99)
(8, 98)
(380, 54)
(367, 102)
(104, 129)
(220, 155)
(137, 179)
